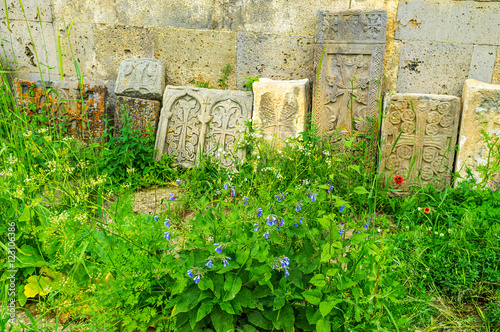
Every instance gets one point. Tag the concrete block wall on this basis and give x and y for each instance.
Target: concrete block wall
(432, 45)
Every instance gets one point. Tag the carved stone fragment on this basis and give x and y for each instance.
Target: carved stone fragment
(351, 69)
(480, 117)
(141, 78)
(206, 121)
(143, 114)
(419, 134)
(280, 107)
(88, 120)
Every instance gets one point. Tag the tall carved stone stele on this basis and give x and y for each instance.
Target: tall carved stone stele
(481, 112)
(419, 133)
(141, 78)
(206, 121)
(351, 69)
(280, 108)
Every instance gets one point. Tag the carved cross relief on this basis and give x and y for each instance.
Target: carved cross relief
(420, 135)
(139, 75)
(277, 114)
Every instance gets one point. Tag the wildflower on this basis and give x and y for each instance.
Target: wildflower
(190, 273)
(275, 266)
(225, 186)
(330, 189)
(366, 225)
(233, 191)
(287, 273)
(285, 261)
(427, 210)
(218, 248)
(172, 197)
(167, 223)
(379, 230)
(271, 219)
(435, 233)
(266, 235)
(312, 196)
(156, 218)
(178, 182)
(398, 179)
(256, 229)
(225, 262)
(197, 279)
(341, 209)
(167, 236)
(259, 212)
(298, 206)
(246, 200)
(209, 264)
(441, 234)
(341, 231)
(281, 223)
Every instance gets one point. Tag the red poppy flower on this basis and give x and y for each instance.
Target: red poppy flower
(398, 179)
(427, 210)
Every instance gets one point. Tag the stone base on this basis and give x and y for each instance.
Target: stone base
(143, 114)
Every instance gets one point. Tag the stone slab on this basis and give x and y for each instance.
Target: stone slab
(36, 98)
(437, 68)
(88, 11)
(195, 54)
(206, 121)
(351, 69)
(449, 21)
(141, 78)
(115, 43)
(24, 58)
(280, 108)
(482, 62)
(143, 114)
(279, 57)
(481, 111)
(419, 133)
(496, 70)
(87, 121)
(32, 9)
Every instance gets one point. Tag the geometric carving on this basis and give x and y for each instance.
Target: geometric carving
(351, 69)
(141, 78)
(419, 133)
(280, 108)
(207, 121)
(142, 113)
(481, 113)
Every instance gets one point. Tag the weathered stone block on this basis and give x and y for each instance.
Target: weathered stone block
(278, 57)
(280, 107)
(351, 70)
(31, 10)
(449, 22)
(89, 11)
(196, 121)
(433, 67)
(24, 57)
(482, 62)
(481, 112)
(141, 78)
(195, 54)
(81, 45)
(37, 98)
(87, 121)
(419, 133)
(496, 70)
(143, 114)
(115, 43)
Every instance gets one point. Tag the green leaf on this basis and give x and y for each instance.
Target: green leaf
(313, 296)
(345, 284)
(361, 191)
(326, 307)
(323, 326)
(287, 316)
(187, 301)
(222, 321)
(206, 283)
(257, 319)
(325, 254)
(232, 287)
(205, 309)
(318, 280)
(249, 328)
(227, 307)
(357, 238)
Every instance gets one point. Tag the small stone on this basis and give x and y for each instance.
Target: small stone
(419, 133)
(206, 121)
(141, 78)
(143, 114)
(481, 112)
(280, 107)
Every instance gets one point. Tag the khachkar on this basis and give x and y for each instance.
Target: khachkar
(280, 108)
(479, 131)
(139, 88)
(419, 133)
(196, 120)
(347, 89)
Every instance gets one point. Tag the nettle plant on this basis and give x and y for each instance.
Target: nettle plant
(301, 261)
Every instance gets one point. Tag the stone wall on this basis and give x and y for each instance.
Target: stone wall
(432, 45)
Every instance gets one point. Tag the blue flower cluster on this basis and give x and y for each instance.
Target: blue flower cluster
(284, 262)
(196, 277)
